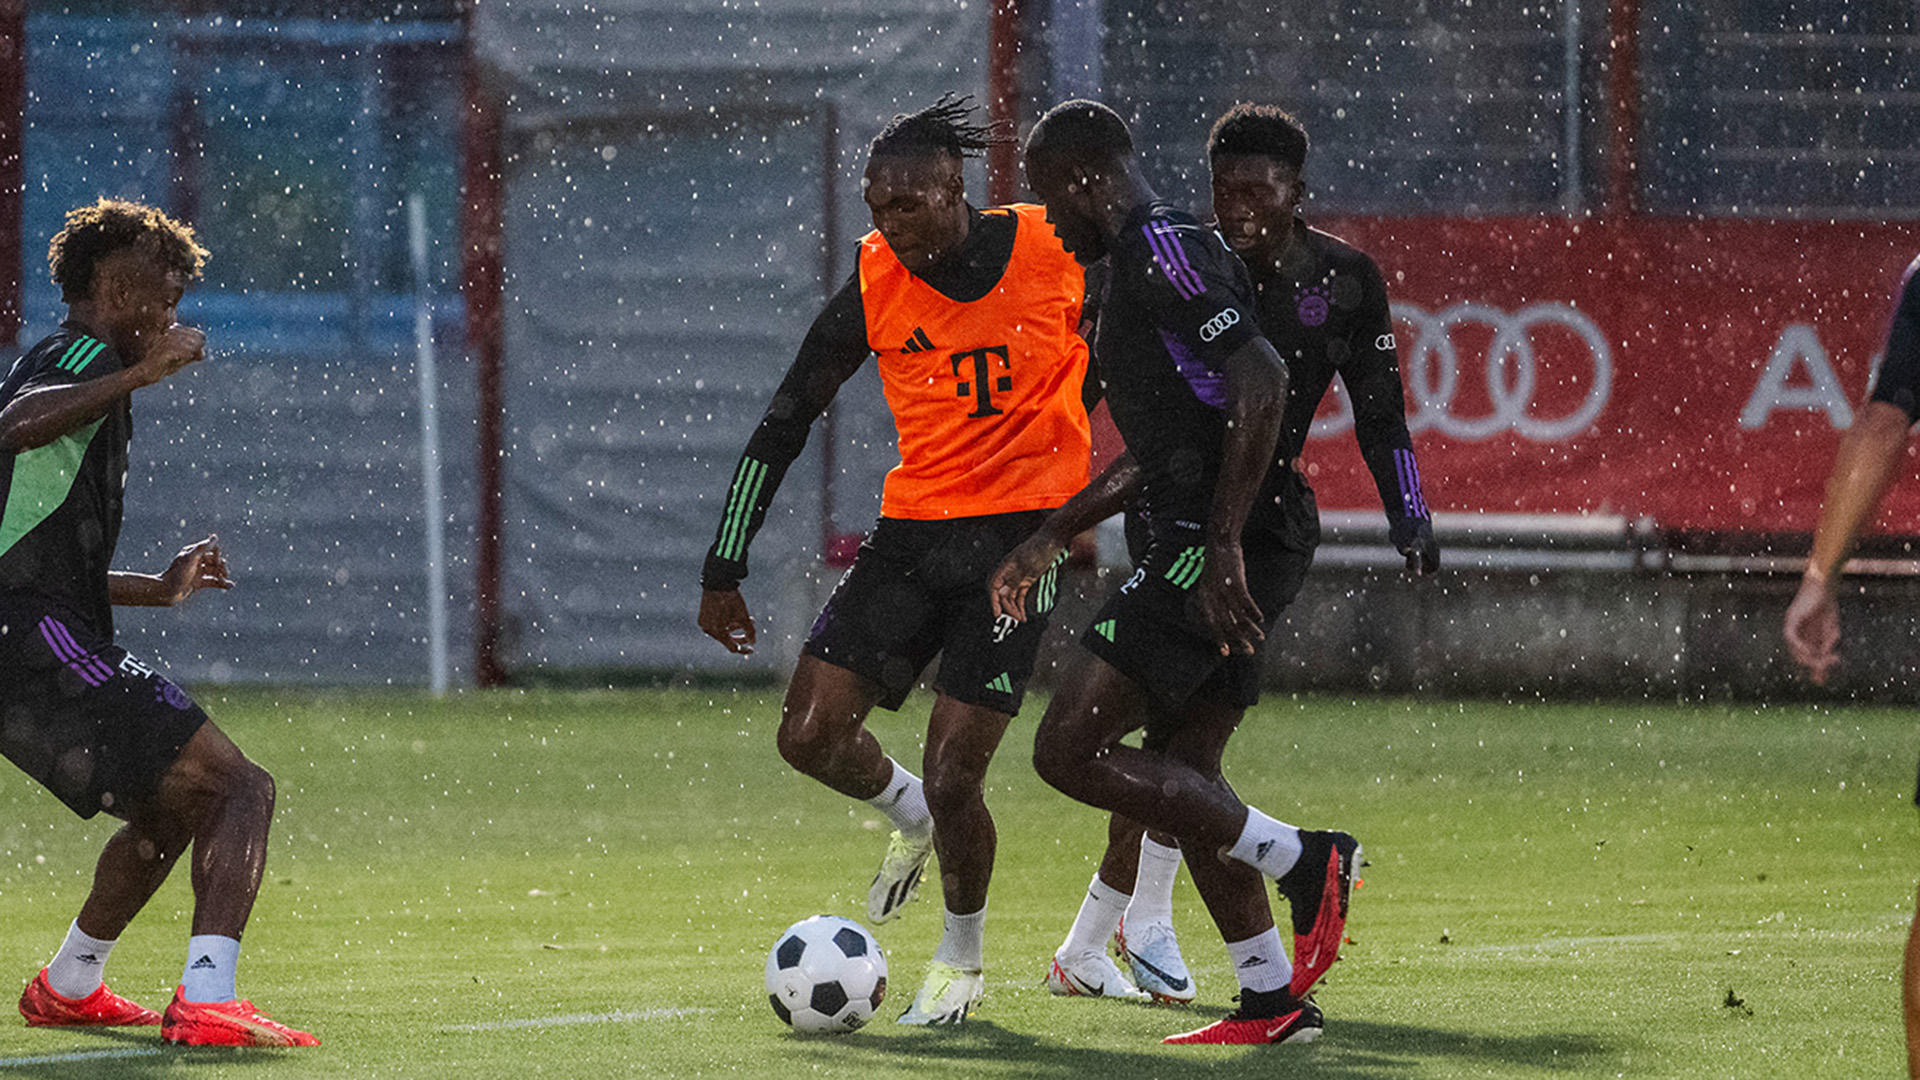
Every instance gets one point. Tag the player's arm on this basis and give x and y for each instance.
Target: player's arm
(43, 413)
(1107, 495)
(834, 348)
(199, 565)
(1256, 379)
(1371, 373)
(1870, 459)
(1200, 292)
(1092, 388)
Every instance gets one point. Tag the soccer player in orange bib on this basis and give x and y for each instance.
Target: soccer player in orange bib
(974, 318)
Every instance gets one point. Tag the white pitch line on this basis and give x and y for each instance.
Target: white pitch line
(77, 1055)
(624, 1017)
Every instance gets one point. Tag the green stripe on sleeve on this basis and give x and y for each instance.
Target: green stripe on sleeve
(746, 491)
(74, 351)
(79, 364)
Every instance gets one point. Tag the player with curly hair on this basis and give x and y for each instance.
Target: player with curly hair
(98, 727)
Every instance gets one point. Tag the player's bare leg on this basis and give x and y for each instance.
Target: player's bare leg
(823, 734)
(823, 729)
(1077, 749)
(961, 740)
(1146, 937)
(71, 990)
(131, 868)
(1910, 995)
(214, 794)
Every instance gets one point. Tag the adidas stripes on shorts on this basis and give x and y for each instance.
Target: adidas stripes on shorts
(83, 717)
(918, 589)
(1147, 632)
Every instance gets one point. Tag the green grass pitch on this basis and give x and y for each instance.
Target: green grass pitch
(585, 884)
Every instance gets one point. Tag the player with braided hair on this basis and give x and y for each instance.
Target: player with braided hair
(974, 318)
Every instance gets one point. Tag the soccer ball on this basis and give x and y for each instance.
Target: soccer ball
(826, 975)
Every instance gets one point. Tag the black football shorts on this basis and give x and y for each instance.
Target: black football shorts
(1147, 631)
(96, 726)
(918, 589)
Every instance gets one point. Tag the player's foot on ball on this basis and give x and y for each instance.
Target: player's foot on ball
(948, 995)
(1319, 887)
(226, 1023)
(45, 1007)
(1275, 1016)
(898, 881)
(1152, 953)
(1090, 975)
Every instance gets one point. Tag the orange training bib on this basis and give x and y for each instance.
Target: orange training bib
(985, 395)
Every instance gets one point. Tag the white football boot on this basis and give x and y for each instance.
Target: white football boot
(948, 995)
(1090, 975)
(898, 882)
(1153, 954)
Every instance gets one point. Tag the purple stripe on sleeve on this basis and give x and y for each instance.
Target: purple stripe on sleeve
(1410, 494)
(1207, 384)
(1172, 259)
(1177, 253)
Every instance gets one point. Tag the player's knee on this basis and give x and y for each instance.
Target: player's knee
(259, 787)
(953, 792)
(246, 784)
(804, 745)
(1055, 759)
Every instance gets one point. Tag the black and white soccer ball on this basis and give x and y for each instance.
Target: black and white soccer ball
(826, 975)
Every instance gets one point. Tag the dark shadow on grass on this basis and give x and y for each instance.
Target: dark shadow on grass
(135, 1053)
(1351, 1050)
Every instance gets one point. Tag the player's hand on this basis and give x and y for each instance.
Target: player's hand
(725, 619)
(175, 348)
(1221, 601)
(1422, 551)
(1013, 579)
(200, 565)
(1813, 628)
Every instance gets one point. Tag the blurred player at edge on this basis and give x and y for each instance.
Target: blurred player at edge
(1871, 457)
(99, 728)
(1323, 306)
(974, 316)
(1197, 393)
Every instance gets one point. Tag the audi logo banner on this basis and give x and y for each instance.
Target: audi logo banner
(1696, 373)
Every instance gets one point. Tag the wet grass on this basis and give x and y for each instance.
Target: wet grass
(570, 884)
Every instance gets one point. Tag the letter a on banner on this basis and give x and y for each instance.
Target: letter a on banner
(1798, 345)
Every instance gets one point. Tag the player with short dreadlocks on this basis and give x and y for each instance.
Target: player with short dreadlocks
(100, 728)
(974, 317)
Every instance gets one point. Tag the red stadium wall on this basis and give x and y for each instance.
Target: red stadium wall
(1697, 373)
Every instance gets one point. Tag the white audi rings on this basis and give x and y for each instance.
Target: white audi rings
(1511, 370)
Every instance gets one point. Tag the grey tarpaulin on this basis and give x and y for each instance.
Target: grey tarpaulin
(666, 187)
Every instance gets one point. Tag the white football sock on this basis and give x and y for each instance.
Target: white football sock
(1269, 846)
(1261, 962)
(1153, 884)
(1099, 917)
(211, 962)
(76, 970)
(905, 803)
(963, 944)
